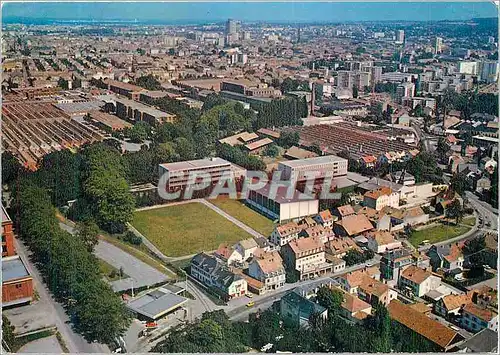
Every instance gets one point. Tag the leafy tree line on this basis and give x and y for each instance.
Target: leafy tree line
(148, 82)
(281, 112)
(70, 271)
(354, 257)
(105, 191)
(240, 157)
(215, 333)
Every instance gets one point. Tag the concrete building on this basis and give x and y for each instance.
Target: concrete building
(296, 170)
(438, 44)
(405, 90)
(489, 71)
(400, 36)
(281, 208)
(468, 67)
(176, 175)
(136, 111)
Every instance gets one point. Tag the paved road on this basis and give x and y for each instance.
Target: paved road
(44, 345)
(140, 274)
(75, 342)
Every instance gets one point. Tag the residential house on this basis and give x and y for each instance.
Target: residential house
(418, 281)
(352, 225)
(296, 310)
(446, 257)
(393, 262)
(443, 337)
(373, 291)
(380, 198)
(325, 219)
(285, 233)
(490, 254)
(354, 309)
(406, 217)
(343, 211)
(307, 222)
(246, 248)
(351, 281)
(483, 184)
(228, 254)
(268, 268)
(381, 241)
(213, 273)
(450, 306)
(475, 318)
(306, 256)
(339, 246)
(378, 219)
(453, 162)
(323, 233)
(368, 161)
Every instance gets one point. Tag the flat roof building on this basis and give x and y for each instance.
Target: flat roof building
(177, 174)
(156, 303)
(281, 207)
(136, 111)
(17, 283)
(297, 169)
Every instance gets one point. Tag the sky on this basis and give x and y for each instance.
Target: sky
(279, 12)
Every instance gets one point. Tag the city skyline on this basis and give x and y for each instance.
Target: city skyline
(252, 12)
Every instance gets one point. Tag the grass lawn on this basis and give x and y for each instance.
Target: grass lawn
(469, 221)
(437, 234)
(186, 229)
(244, 214)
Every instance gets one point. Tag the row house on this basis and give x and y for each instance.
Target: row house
(380, 198)
(352, 225)
(268, 268)
(418, 281)
(285, 233)
(476, 318)
(306, 256)
(324, 234)
(381, 241)
(212, 272)
(446, 257)
(325, 219)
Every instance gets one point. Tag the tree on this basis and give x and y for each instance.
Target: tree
(442, 148)
(70, 271)
(355, 92)
(271, 150)
(458, 183)
(88, 231)
(185, 148)
(455, 210)
(63, 84)
(329, 298)
(60, 173)
(149, 82)
(139, 132)
(288, 139)
(11, 168)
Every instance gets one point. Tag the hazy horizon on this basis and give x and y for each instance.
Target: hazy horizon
(250, 12)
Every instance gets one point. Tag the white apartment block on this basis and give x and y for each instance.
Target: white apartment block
(298, 169)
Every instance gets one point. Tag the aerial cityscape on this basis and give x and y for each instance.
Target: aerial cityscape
(249, 177)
